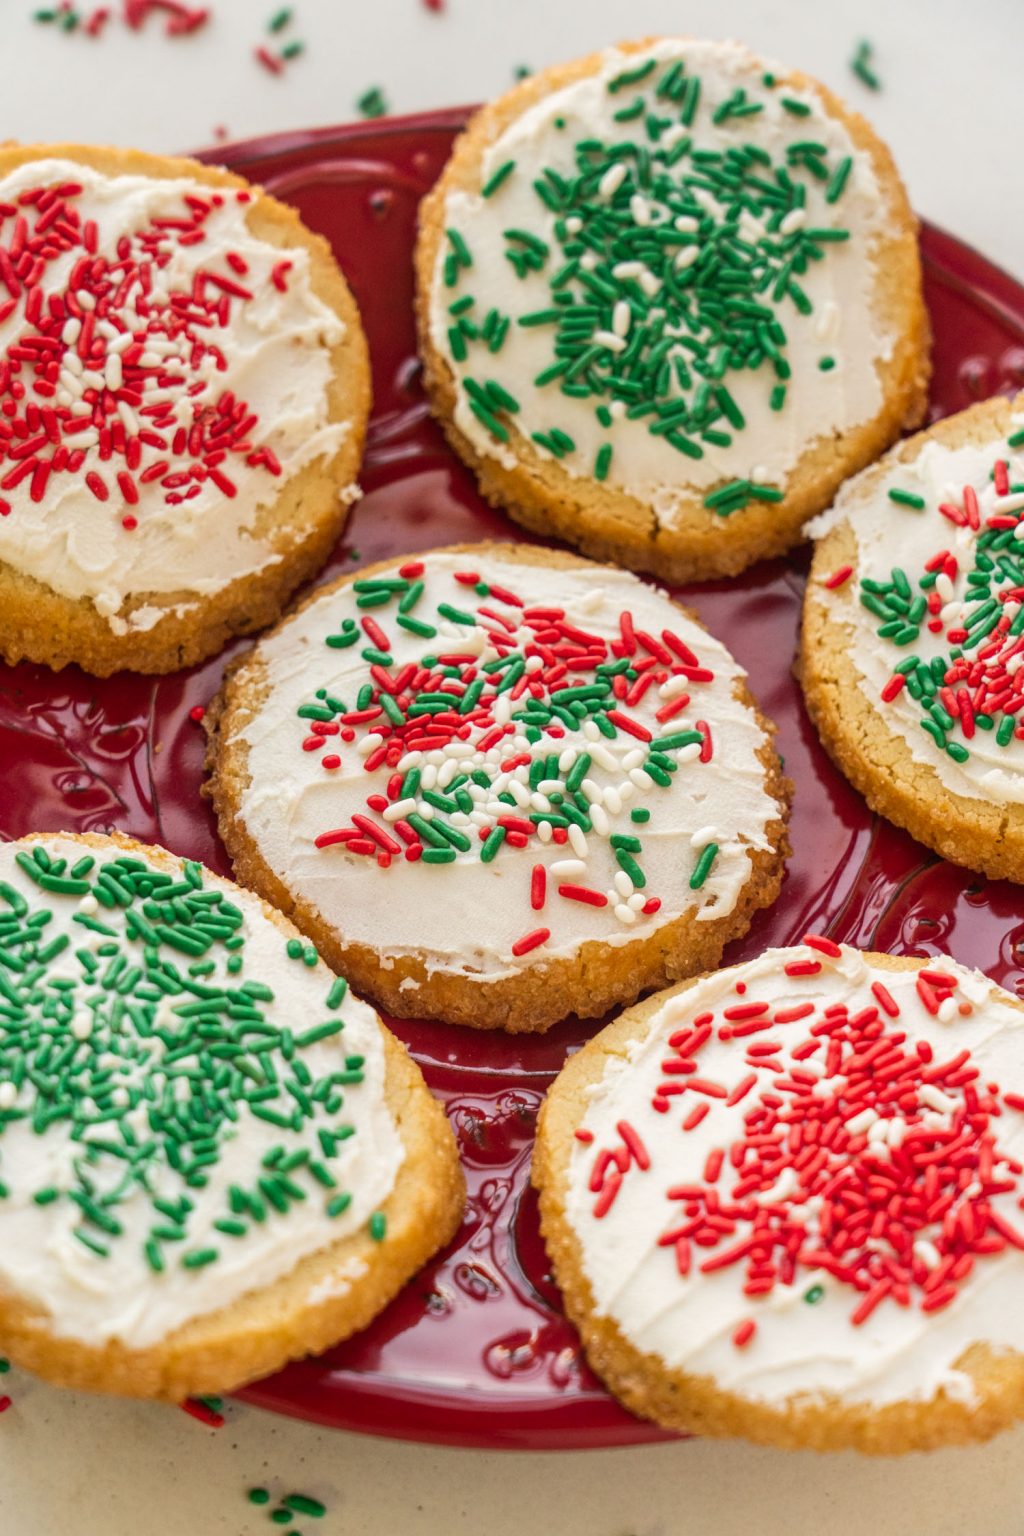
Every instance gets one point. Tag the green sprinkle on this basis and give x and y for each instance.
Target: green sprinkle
(303, 1505)
(372, 103)
(703, 867)
(378, 1226)
(199, 1258)
(815, 1294)
(907, 499)
(500, 176)
(258, 1496)
(826, 364)
(338, 1204)
(862, 66)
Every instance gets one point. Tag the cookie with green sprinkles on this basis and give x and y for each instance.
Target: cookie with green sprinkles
(497, 784)
(213, 1157)
(668, 299)
(913, 636)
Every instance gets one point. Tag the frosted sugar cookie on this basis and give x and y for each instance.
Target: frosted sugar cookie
(213, 1158)
(913, 636)
(669, 297)
(184, 387)
(783, 1201)
(498, 784)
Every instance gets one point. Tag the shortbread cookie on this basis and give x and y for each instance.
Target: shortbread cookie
(669, 297)
(185, 387)
(213, 1158)
(913, 637)
(783, 1201)
(498, 784)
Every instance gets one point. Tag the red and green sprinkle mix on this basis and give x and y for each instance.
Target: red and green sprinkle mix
(547, 707)
(671, 268)
(974, 684)
(865, 1161)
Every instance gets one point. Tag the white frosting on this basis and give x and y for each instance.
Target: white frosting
(799, 1349)
(277, 352)
(466, 918)
(843, 323)
(94, 1299)
(889, 535)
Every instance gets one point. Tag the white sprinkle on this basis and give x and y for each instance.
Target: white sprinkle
(88, 905)
(8, 1095)
(539, 802)
(640, 209)
(1012, 503)
(627, 269)
(622, 317)
(625, 914)
(613, 800)
(573, 224)
(636, 901)
(593, 792)
(545, 831)
(578, 840)
(650, 285)
(81, 1026)
(534, 663)
(568, 869)
(427, 812)
(609, 341)
(703, 836)
(935, 1098)
(687, 256)
(399, 808)
(944, 586)
(796, 218)
(686, 223)
(599, 820)
(369, 744)
(566, 759)
(688, 753)
(673, 688)
(612, 180)
(114, 372)
(632, 759)
(617, 411)
(641, 779)
(71, 332)
(759, 475)
(428, 777)
(927, 1252)
(862, 1122)
(604, 757)
(948, 1010)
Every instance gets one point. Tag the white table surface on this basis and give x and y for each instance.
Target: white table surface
(75, 1466)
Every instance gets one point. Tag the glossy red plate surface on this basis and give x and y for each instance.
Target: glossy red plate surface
(476, 1351)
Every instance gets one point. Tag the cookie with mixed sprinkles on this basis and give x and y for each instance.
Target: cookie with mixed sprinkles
(783, 1201)
(913, 636)
(213, 1157)
(668, 299)
(184, 389)
(498, 784)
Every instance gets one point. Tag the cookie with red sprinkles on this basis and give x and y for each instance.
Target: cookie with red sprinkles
(784, 1202)
(184, 388)
(668, 298)
(213, 1157)
(498, 784)
(913, 636)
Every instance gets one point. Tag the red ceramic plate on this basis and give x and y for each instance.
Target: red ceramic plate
(476, 1350)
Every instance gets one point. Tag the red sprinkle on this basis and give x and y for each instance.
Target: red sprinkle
(531, 941)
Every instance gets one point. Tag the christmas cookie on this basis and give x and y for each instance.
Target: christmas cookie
(184, 387)
(498, 784)
(669, 297)
(213, 1158)
(784, 1202)
(913, 636)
